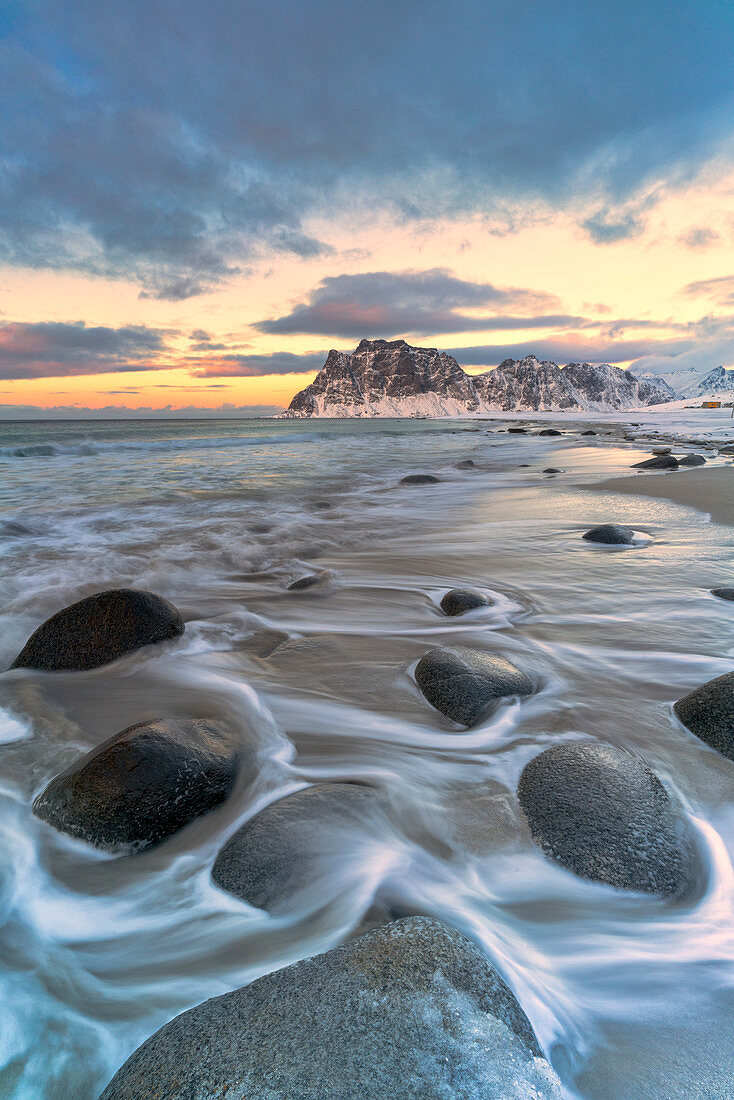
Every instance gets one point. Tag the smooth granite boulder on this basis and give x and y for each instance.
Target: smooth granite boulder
(99, 629)
(273, 855)
(552, 470)
(589, 431)
(143, 784)
(550, 431)
(658, 462)
(708, 712)
(692, 460)
(459, 600)
(603, 814)
(420, 479)
(611, 534)
(723, 593)
(409, 1011)
(465, 683)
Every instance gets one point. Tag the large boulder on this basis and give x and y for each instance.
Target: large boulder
(550, 431)
(611, 534)
(409, 1010)
(723, 593)
(464, 683)
(99, 629)
(692, 460)
(420, 479)
(272, 856)
(459, 600)
(658, 462)
(601, 812)
(143, 784)
(708, 711)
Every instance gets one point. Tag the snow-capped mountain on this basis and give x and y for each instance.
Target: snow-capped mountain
(391, 378)
(691, 382)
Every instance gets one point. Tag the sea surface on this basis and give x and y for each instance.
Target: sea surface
(632, 997)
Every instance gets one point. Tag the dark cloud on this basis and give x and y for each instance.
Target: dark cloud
(253, 366)
(699, 238)
(384, 303)
(172, 142)
(56, 348)
(608, 227)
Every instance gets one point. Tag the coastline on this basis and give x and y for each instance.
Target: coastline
(710, 491)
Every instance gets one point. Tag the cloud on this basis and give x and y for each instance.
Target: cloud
(699, 238)
(172, 143)
(606, 227)
(57, 348)
(42, 412)
(721, 289)
(253, 366)
(384, 303)
(566, 349)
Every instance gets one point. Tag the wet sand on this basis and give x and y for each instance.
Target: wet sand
(709, 491)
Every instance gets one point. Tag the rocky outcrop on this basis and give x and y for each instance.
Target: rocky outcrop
(274, 854)
(143, 784)
(708, 712)
(391, 378)
(99, 629)
(601, 812)
(465, 683)
(411, 1009)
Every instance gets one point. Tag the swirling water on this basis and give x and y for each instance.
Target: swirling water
(631, 996)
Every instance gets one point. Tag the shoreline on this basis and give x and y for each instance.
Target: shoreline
(709, 491)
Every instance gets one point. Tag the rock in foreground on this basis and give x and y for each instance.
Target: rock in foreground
(459, 600)
(601, 812)
(142, 785)
(420, 479)
(692, 460)
(99, 629)
(723, 593)
(612, 534)
(659, 462)
(274, 854)
(412, 1009)
(464, 683)
(708, 712)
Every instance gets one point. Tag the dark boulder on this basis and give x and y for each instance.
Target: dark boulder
(466, 464)
(550, 431)
(517, 431)
(612, 534)
(727, 450)
(99, 629)
(275, 854)
(411, 1009)
(659, 462)
(464, 683)
(601, 812)
(420, 479)
(692, 460)
(708, 712)
(143, 784)
(551, 470)
(723, 593)
(305, 582)
(459, 600)
(589, 432)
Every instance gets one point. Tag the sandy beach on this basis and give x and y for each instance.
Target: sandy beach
(708, 490)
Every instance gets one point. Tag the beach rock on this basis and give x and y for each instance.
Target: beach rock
(723, 593)
(517, 431)
(466, 464)
(727, 450)
(264, 642)
(550, 431)
(661, 450)
(659, 462)
(464, 683)
(612, 534)
(459, 600)
(708, 712)
(99, 629)
(589, 432)
(142, 785)
(409, 1010)
(601, 813)
(305, 582)
(275, 854)
(551, 470)
(420, 479)
(692, 460)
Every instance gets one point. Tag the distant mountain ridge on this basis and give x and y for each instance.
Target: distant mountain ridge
(391, 378)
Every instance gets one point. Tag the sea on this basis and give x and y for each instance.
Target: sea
(631, 996)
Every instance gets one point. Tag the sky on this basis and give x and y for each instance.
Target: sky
(199, 198)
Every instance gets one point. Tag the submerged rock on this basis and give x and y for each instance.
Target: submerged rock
(550, 431)
(143, 784)
(420, 479)
(411, 1009)
(589, 432)
(692, 460)
(551, 470)
(723, 593)
(466, 464)
(659, 462)
(612, 534)
(708, 712)
(264, 642)
(464, 683)
(305, 582)
(99, 629)
(273, 855)
(517, 431)
(604, 815)
(459, 600)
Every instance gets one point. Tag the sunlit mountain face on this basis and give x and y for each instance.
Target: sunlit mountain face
(199, 203)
